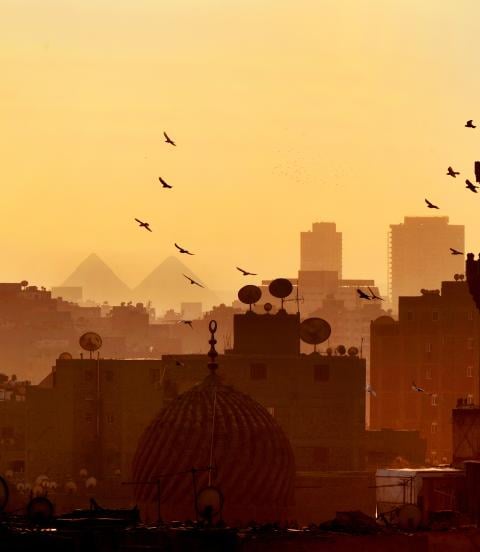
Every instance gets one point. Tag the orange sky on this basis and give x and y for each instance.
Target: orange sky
(285, 112)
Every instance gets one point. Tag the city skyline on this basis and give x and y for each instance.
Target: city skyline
(86, 98)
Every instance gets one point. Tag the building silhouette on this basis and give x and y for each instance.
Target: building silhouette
(419, 255)
(435, 345)
(321, 248)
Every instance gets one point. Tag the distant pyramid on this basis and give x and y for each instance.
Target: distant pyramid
(167, 288)
(98, 281)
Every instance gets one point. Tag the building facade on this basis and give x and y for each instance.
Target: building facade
(321, 248)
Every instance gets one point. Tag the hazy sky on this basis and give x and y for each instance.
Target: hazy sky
(285, 112)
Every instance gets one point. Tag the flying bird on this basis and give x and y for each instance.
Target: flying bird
(373, 295)
(471, 186)
(371, 390)
(145, 225)
(245, 272)
(418, 389)
(469, 124)
(186, 322)
(362, 294)
(168, 140)
(182, 250)
(430, 205)
(451, 172)
(193, 282)
(455, 251)
(164, 183)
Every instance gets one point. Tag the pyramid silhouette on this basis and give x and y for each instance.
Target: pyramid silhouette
(98, 281)
(167, 288)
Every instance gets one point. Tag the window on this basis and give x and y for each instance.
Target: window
(469, 371)
(434, 428)
(428, 372)
(409, 315)
(470, 343)
(434, 400)
(321, 372)
(428, 347)
(435, 315)
(469, 399)
(109, 375)
(258, 371)
(109, 418)
(470, 315)
(271, 411)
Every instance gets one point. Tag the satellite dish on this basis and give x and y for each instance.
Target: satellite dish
(280, 288)
(65, 356)
(209, 503)
(90, 341)
(268, 307)
(4, 494)
(40, 510)
(341, 350)
(409, 516)
(353, 351)
(24, 283)
(315, 331)
(249, 295)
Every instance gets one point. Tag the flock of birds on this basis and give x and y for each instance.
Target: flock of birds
(146, 225)
(469, 186)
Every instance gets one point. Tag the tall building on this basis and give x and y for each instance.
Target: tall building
(434, 345)
(419, 255)
(321, 248)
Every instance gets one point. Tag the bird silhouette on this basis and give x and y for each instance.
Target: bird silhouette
(245, 272)
(192, 281)
(471, 186)
(455, 251)
(186, 322)
(362, 294)
(418, 389)
(373, 295)
(168, 140)
(164, 183)
(145, 225)
(371, 390)
(430, 205)
(451, 172)
(469, 124)
(182, 250)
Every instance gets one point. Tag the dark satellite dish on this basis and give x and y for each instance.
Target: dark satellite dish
(353, 351)
(24, 283)
(314, 331)
(90, 341)
(209, 503)
(267, 307)
(341, 350)
(249, 295)
(65, 356)
(40, 510)
(4, 493)
(280, 288)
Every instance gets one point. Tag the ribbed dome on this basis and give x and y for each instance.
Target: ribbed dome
(253, 458)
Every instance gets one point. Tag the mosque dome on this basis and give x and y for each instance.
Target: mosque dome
(213, 424)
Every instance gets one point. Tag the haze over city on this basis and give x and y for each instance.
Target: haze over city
(283, 113)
